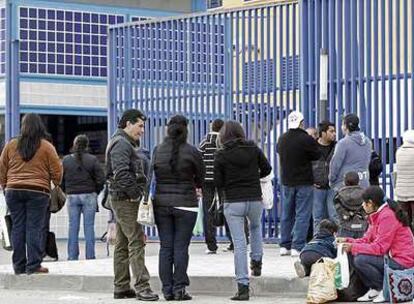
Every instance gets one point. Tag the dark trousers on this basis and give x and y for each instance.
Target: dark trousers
(28, 211)
(370, 269)
(175, 227)
(409, 208)
(208, 226)
(308, 258)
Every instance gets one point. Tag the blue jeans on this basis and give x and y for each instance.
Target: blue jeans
(370, 268)
(296, 214)
(175, 228)
(81, 204)
(28, 210)
(235, 214)
(323, 207)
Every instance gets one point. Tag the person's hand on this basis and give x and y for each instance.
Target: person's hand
(199, 192)
(340, 240)
(347, 247)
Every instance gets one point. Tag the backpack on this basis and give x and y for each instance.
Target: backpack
(348, 205)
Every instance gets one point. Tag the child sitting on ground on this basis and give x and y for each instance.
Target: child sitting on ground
(322, 245)
(348, 205)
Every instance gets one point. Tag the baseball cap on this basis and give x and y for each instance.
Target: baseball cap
(351, 121)
(294, 119)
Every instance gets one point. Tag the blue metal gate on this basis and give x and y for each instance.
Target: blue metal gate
(240, 64)
(244, 64)
(370, 71)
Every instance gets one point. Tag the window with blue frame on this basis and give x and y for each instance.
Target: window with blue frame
(2, 40)
(63, 42)
(214, 3)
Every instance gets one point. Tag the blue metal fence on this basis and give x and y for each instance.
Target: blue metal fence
(243, 64)
(371, 62)
(206, 66)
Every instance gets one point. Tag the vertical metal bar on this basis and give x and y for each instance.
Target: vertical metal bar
(311, 63)
(237, 59)
(290, 74)
(384, 123)
(175, 79)
(398, 78)
(283, 80)
(157, 82)
(348, 54)
(390, 88)
(229, 66)
(245, 70)
(112, 107)
(250, 72)
(262, 77)
(304, 62)
(339, 65)
(368, 74)
(354, 55)
(332, 59)
(361, 65)
(295, 57)
(405, 39)
(163, 72)
(128, 67)
(256, 76)
(375, 31)
(317, 42)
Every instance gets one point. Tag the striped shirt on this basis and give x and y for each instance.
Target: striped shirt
(207, 148)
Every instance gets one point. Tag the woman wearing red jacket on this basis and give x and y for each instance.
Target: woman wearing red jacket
(389, 233)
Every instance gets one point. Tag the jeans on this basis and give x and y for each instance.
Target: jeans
(45, 232)
(235, 214)
(370, 269)
(209, 228)
(323, 207)
(81, 204)
(296, 214)
(175, 228)
(28, 211)
(129, 247)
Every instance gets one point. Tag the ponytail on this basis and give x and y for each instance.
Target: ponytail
(401, 215)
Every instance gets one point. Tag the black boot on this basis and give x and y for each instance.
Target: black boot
(182, 295)
(256, 267)
(242, 293)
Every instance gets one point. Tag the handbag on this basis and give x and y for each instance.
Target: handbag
(57, 199)
(6, 233)
(103, 197)
(398, 284)
(146, 212)
(267, 191)
(216, 211)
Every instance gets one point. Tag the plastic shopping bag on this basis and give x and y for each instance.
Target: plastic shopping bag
(198, 227)
(5, 224)
(146, 212)
(267, 191)
(322, 282)
(341, 269)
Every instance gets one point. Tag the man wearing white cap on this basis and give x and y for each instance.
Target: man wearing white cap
(296, 150)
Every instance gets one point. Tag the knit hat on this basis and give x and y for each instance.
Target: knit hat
(294, 119)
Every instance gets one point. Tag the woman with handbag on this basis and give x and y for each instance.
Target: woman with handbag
(238, 167)
(388, 233)
(83, 179)
(179, 174)
(28, 165)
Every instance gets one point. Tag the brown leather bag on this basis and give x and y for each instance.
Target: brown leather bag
(57, 199)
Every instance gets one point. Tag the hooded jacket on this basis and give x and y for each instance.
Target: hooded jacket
(352, 153)
(238, 168)
(207, 148)
(386, 235)
(405, 169)
(322, 243)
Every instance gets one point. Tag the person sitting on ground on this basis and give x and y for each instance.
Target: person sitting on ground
(348, 205)
(322, 245)
(389, 234)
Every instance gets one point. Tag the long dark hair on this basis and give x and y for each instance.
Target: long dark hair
(177, 132)
(31, 134)
(80, 146)
(231, 130)
(377, 196)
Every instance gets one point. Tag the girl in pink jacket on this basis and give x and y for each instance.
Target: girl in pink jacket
(389, 233)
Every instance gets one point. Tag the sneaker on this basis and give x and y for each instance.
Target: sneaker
(369, 296)
(300, 270)
(284, 251)
(295, 253)
(208, 251)
(380, 298)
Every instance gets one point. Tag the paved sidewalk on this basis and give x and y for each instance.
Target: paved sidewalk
(209, 274)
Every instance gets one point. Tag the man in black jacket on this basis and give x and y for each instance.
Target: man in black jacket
(125, 172)
(296, 150)
(323, 206)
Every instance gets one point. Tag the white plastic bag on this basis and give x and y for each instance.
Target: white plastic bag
(321, 287)
(146, 213)
(267, 191)
(4, 229)
(341, 269)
